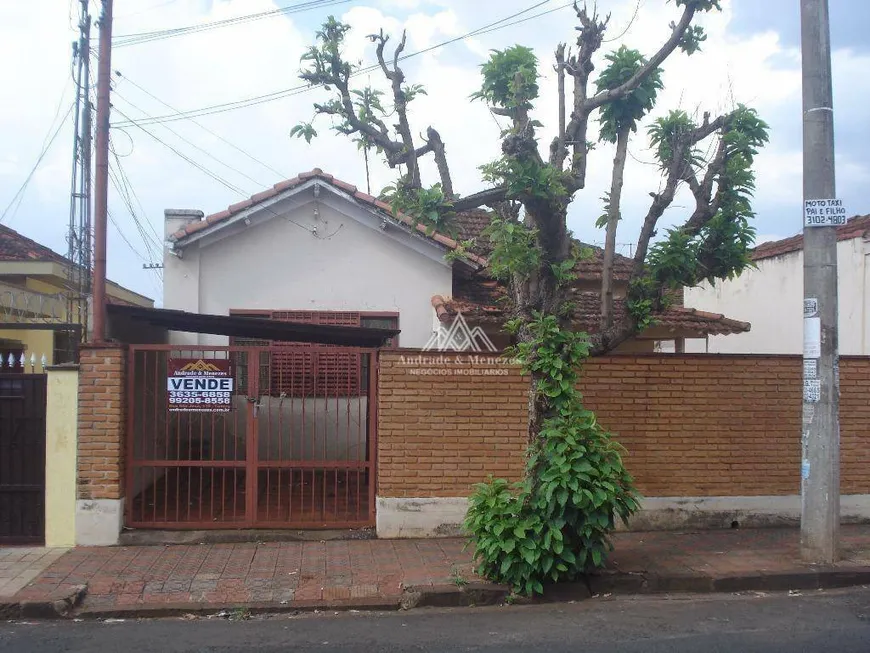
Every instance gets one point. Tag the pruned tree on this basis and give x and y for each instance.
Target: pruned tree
(554, 525)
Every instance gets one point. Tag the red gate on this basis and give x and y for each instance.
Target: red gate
(293, 446)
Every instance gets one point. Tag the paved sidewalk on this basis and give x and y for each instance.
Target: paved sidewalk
(19, 565)
(379, 573)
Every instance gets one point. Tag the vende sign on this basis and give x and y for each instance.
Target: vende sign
(824, 213)
(199, 385)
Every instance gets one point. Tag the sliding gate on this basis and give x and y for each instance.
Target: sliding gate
(251, 437)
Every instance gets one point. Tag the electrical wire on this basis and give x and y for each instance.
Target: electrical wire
(129, 185)
(19, 195)
(203, 127)
(124, 40)
(260, 184)
(125, 189)
(196, 165)
(303, 88)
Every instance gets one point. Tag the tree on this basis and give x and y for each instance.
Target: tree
(554, 525)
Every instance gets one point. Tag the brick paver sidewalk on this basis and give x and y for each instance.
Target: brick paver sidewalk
(342, 572)
(358, 572)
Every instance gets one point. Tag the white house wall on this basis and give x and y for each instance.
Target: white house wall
(770, 297)
(276, 263)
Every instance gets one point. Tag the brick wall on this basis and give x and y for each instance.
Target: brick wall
(437, 435)
(101, 428)
(693, 425)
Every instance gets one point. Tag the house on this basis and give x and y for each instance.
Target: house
(770, 296)
(316, 248)
(36, 323)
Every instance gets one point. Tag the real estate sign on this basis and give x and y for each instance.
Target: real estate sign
(199, 385)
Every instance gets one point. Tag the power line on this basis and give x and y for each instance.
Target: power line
(124, 40)
(129, 185)
(196, 165)
(123, 187)
(200, 125)
(194, 145)
(19, 195)
(296, 90)
(222, 181)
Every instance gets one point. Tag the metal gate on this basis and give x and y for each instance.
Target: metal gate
(293, 447)
(22, 458)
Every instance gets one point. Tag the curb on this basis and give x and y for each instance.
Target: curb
(453, 596)
(810, 579)
(156, 610)
(55, 606)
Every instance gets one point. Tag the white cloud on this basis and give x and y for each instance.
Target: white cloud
(260, 57)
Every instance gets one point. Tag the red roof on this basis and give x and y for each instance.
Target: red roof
(16, 247)
(482, 301)
(857, 227)
(193, 227)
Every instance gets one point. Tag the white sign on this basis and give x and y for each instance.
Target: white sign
(812, 390)
(811, 368)
(812, 337)
(824, 213)
(811, 307)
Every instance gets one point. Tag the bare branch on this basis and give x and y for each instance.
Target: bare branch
(437, 147)
(612, 224)
(488, 197)
(408, 154)
(654, 62)
(580, 67)
(678, 171)
(557, 148)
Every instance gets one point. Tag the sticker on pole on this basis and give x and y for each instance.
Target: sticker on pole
(812, 390)
(811, 307)
(824, 213)
(198, 385)
(811, 368)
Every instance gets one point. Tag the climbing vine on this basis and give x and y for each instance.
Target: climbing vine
(554, 525)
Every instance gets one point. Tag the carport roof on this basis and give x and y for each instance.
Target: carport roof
(256, 327)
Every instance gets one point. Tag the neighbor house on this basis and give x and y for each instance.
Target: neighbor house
(36, 324)
(770, 296)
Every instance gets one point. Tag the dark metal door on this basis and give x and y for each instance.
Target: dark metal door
(22, 458)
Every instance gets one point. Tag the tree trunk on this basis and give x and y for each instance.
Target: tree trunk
(612, 225)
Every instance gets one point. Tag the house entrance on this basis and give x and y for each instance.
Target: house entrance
(22, 458)
(251, 436)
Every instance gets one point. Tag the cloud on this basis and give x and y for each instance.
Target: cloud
(261, 57)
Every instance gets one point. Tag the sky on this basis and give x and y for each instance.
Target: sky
(751, 56)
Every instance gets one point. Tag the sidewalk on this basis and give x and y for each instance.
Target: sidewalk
(387, 574)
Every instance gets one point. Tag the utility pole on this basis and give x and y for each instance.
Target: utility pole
(79, 230)
(820, 463)
(101, 185)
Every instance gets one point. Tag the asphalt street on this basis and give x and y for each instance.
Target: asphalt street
(807, 621)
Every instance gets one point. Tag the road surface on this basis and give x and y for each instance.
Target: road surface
(776, 623)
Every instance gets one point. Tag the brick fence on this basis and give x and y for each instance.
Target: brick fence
(693, 425)
(101, 428)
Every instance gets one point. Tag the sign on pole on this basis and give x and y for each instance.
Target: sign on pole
(824, 213)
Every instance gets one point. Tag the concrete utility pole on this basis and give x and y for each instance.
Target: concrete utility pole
(101, 181)
(820, 464)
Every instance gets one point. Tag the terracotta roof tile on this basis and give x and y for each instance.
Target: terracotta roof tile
(17, 247)
(483, 303)
(234, 209)
(266, 194)
(857, 227)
